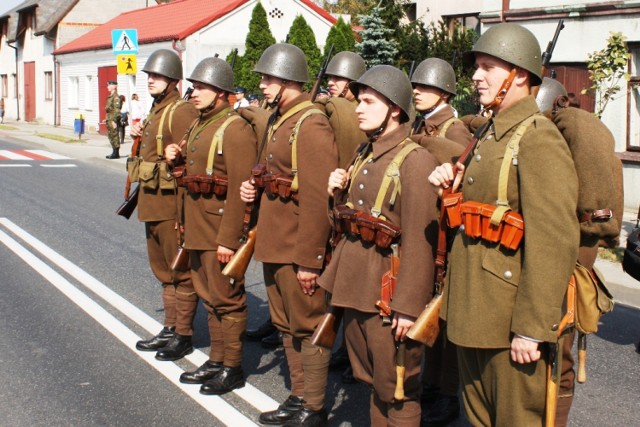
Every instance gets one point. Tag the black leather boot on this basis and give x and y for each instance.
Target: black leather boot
(157, 342)
(224, 381)
(339, 359)
(272, 341)
(308, 418)
(444, 410)
(285, 412)
(110, 156)
(205, 372)
(177, 348)
(262, 331)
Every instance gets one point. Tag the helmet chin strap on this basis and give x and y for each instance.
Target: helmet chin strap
(211, 106)
(278, 97)
(373, 136)
(502, 93)
(170, 87)
(343, 94)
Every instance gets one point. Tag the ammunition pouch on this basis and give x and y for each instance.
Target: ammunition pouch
(206, 184)
(276, 185)
(257, 173)
(166, 179)
(148, 175)
(366, 227)
(452, 204)
(133, 168)
(178, 173)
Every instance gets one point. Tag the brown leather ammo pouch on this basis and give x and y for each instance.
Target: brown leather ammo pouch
(471, 217)
(386, 233)
(270, 184)
(257, 172)
(283, 185)
(452, 204)
(367, 227)
(347, 217)
(178, 173)
(513, 230)
(490, 232)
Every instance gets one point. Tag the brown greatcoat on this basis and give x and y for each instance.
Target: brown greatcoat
(291, 232)
(160, 205)
(446, 148)
(344, 122)
(210, 220)
(356, 268)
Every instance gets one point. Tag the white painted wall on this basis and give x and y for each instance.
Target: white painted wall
(431, 11)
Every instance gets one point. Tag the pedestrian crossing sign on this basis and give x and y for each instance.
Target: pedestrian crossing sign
(127, 64)
(124, 41)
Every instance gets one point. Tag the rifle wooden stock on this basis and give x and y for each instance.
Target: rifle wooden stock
(427, 326)
(581, 376)
(326, 332)
(398, 394)
(129, 205)
(237, 267)
(181, 260)
(553, 377)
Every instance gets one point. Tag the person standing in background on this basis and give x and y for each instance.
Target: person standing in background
(113, 118)
(124, 118)
(137, 111)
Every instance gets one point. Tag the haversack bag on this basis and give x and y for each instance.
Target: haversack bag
(631, 258)
(592, 299)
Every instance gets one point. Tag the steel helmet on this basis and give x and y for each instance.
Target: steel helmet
(214, 72)
(514, 44)
(437, 73)
(284, 61)
(390, 82)
(549, 90)
(164, 62)
(348, 65)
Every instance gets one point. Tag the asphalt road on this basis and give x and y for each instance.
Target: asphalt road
(77, 293)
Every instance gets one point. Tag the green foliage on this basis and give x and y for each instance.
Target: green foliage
(606, 68)
(258, 39)
(301, 35)
(341, 37)
(377, 45)
(354, 8)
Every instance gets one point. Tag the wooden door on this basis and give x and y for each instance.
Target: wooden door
(104, 75)
(29, 91)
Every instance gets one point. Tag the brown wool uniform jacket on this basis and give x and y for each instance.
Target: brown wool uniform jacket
(211, 220)
(448, 147)
(160, 205)
(344, 122)
(297, 232)
(354, 274)
(493, 293)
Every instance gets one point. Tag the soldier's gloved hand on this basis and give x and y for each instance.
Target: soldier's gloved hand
(258, 117)
(248, 191)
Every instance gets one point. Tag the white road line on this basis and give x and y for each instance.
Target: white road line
(13, 156)
(3, 165)
(223, 411)
(252, 395)
(49, 154)
(64, 165)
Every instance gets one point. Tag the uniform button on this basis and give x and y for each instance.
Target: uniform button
(146, 134)
(319, 257)
(507, 275)
(270, 156)
(360, 202)
(221, 210)
(190, 162)
(370, 161)
(365, 171)
(144, 145)
(470, 180)
(197, 136)
(554, 327)
(361, 186)
(274, 139)
(193, 149)
(478, 157)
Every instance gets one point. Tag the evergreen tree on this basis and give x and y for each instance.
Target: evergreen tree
(377, 45)
(301, 35)
(258, 39)
(341, 37)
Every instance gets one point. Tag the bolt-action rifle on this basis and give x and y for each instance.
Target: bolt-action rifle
(321, 72)
(546, 55)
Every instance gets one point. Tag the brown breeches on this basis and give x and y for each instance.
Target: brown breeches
(180, 303)
(441, 365)
(500, 392)
(226, 304)
(372, 352)
(297, 315)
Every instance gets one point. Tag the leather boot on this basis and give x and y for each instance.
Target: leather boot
(339, 358)
(224, 381)
(444, 410)
(308, 418)
(111, 156)
(157, 342)
(177, 348)
(285, 412)
(261, 331)
(205, 372)
(272, 341)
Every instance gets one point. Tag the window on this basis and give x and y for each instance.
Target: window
(74, 92)
(471, 22)
(4, 81)
(633, 101)
(48, 85)
(88, 98)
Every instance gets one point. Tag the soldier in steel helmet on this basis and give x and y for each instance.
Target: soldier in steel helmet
(113, 118)
(293, 230)
(168, 120)
(355, 274)
(217, 155)
(503, 302)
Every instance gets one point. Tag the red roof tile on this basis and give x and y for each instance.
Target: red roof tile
(169, 21)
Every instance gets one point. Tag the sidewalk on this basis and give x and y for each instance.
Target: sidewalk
(625, 289)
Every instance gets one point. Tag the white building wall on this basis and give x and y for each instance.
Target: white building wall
(8, 68)
(432, 11)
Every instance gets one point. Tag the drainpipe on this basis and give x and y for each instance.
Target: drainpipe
(179, 48)
(505, 7)
(16, 81)
(54, 77)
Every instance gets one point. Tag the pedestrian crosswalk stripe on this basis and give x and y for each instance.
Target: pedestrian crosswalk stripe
(30, 155)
